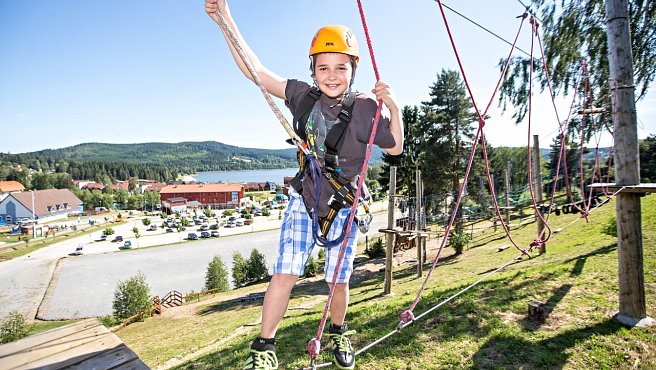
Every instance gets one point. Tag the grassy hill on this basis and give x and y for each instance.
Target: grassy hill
(485, 328)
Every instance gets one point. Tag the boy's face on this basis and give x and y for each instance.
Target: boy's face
(333, 73)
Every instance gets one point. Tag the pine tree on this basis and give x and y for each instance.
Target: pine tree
(216, 276)
(239, 268)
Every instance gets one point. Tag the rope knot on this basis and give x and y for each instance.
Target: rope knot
(313, 348)
(481, 123)
(406, 317)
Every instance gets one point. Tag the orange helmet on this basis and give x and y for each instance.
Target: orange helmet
(335, 39)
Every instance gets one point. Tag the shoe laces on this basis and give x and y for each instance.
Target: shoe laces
(264, 359)
(341, 341)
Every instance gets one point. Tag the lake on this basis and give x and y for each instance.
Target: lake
(275, 175)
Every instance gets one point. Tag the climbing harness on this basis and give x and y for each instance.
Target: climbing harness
(343, 192)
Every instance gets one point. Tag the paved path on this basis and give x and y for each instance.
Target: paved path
(83, 286)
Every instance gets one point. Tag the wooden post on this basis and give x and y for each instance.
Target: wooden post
(507, 192)
(537, 180)
(417, 239)
(389, 237)
(632, 302)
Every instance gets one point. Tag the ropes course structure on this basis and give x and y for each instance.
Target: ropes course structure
(408, 317)
(417, 219)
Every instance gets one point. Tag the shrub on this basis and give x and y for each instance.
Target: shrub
(131, 297)
(322, 254)
(238, 270)
(108, 231)
(266, 212)
(228, 212)
(216, 276)
(311, 267)
(145, 221)
(610, 228)
(256, 269)
(377, 249)
(14, 327)
(459, 240)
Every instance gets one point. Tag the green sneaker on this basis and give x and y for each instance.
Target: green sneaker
(342, 349)
(261, 360)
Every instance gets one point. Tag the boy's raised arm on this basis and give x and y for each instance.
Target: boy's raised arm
(271, 81)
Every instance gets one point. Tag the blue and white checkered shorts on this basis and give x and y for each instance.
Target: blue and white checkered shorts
(297, 242)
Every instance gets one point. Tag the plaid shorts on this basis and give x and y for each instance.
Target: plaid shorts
(297, 242)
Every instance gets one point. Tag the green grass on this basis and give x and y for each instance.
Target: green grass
(485, 328)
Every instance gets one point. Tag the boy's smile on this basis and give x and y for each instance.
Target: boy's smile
(333, 72)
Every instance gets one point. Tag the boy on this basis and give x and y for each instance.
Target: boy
(333, 60)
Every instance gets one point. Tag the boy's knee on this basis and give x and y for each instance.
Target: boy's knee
(339, 287)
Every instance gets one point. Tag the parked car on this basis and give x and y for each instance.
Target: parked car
(215, 233)
(232, 218)
(214, 226)
(126, 245)
(192, 236)
(205, 234)
(247, 222)
(78, 251)
(239, 223)
(117, 239)
(103, 237)
(169, 230)
(204, 227)
(153, 227)
(231, 224)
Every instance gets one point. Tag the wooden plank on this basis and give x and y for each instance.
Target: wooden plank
(639, 188)
(133, 365)
(59, 348)
(115, 357)
(46, 337)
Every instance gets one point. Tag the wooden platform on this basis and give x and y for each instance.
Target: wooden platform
(640, 188)
(83, 345)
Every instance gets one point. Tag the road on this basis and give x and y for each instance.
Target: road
(51, 284)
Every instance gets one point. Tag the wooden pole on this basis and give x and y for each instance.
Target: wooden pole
(507, 192)
(632, 302)
(537, 180)
(417, 239)
(389, 237)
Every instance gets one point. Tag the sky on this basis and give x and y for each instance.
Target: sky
(124, 71)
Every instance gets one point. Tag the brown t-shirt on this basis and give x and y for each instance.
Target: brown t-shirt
(356, 137)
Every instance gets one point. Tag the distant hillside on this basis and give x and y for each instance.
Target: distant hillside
(188, 157)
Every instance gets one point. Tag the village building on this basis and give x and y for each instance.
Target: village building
(46, 205)
(214, 196)
(7, 187)
(259, 186)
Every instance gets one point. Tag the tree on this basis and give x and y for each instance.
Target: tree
(108, 231)
(131, 297)
(152, 198)
(145, 221)
(238, 270)
(570, 169)
(216, 276)
(446, 123)
(648, 159)
(41, 181)
(256, 268)
(135, 230)
(575, 31)
(405, 163)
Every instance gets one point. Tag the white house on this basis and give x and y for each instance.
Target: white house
(48, 205)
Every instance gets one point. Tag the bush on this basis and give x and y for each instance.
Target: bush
(216, 276)
(266, 212)
(131, 297)
(311, 267)
(228, 212)
(256, 269)
(14, 327)
(238, 270)
(145, 221)
(322, 254)
(610, 228)
(377, 249)
(459, 240)
(108, 231)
